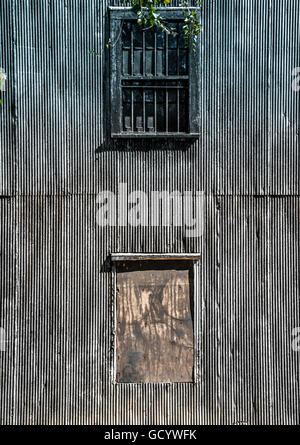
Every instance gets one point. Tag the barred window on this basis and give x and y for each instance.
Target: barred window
(152, 74)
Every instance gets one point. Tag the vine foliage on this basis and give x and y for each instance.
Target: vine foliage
(150, 15)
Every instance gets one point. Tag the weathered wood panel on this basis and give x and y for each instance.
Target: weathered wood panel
(154, 318)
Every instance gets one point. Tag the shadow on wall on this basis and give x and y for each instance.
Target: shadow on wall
(144, 145)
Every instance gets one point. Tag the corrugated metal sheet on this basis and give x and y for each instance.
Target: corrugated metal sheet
(56, 285)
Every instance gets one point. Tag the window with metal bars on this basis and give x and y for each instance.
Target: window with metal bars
(154, 79)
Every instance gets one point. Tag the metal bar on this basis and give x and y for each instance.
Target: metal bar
(146, 78)
(144, 54)
(132, 111)
(177, 45)
(166, 54)
(144, 72)
(144, 111)
(178, 63)
(156, 87)
(155, 111)
(178, 117)
(131, 51)
(167, 111)
(155, 54)
(132, 54)
(167, 71)
(155, 76)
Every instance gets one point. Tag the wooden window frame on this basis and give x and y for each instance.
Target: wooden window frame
(195, 260)
(118, 14)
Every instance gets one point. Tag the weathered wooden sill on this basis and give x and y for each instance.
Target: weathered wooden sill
(155, 135)
(154, 256)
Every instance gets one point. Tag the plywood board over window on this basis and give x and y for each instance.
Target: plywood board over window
(155, 321)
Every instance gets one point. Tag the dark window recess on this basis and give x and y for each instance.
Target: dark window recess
(158, 105)
(151, 82)
(154, 106)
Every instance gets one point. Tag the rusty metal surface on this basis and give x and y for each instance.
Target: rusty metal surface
(56, 296)
(56, 285)
(55, 112)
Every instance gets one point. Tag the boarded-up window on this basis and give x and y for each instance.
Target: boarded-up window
(154, 321)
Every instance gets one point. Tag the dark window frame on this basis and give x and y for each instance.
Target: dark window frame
(117, 15)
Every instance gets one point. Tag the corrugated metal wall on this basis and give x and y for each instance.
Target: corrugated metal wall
(56, 286)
